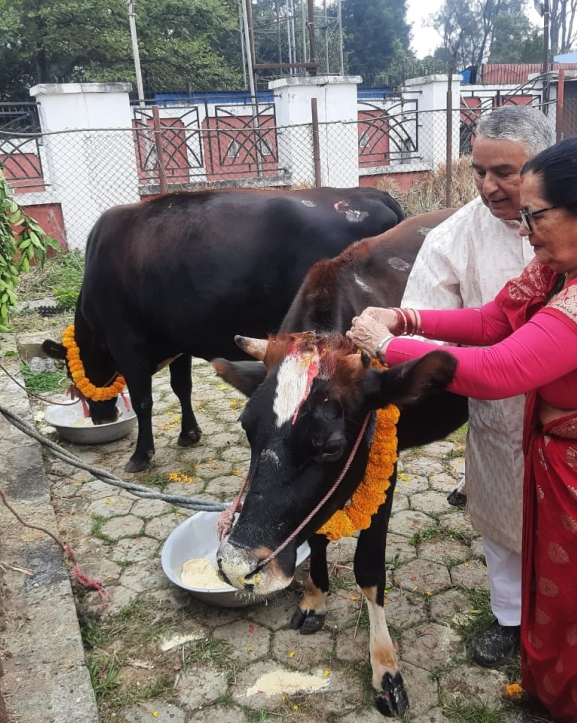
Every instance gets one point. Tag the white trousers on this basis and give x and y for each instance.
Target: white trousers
(504, 568)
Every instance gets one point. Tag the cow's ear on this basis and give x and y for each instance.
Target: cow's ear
(245, 376)
(53, 349)
(408, 383)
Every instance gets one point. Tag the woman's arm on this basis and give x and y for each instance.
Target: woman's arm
(475, 326)
(542, 350)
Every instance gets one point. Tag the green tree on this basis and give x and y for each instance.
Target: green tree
(471, 28)
(371, 29)
(516, 41)
(562, 24)
(22, 241)
(182, 43)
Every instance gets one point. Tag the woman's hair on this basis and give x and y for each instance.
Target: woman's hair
(556, 168)
(520, 124)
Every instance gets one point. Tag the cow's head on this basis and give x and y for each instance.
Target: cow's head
(307, 405)
(99, 370)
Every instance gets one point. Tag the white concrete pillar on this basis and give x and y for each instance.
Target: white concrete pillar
(90, 167)
(431, 93)
(338, 130)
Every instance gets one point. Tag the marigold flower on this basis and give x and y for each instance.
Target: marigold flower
(372, 491)
(78, 374)
(514, 691)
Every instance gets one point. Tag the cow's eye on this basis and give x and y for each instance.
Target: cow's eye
(332, 449)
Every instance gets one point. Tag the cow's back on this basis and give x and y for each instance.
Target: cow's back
(195, 269)
(373, 272)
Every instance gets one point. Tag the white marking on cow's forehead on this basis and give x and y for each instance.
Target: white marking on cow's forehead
(267, 455)
(398, 264)
(293, 385)
(362, 284)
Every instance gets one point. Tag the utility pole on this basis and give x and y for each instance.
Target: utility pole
(135, 53)
(249, 51)
(544, 10)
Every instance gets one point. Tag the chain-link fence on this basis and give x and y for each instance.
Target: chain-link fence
(73, 176)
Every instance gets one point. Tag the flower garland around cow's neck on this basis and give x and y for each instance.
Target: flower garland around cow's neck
(76, 368)
(372, 491)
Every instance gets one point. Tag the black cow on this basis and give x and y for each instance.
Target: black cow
(180, 275)
(307, 406)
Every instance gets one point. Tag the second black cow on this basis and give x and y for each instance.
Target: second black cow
(180, 275)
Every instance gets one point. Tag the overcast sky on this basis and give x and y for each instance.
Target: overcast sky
(426, 39)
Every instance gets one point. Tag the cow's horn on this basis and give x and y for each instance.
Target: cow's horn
(254, 347)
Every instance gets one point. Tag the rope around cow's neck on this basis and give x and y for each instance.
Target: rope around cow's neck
(230, 511)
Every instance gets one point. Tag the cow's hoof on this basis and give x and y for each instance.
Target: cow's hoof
(135, 465)
(308, 622)
(189, 438)
(392, 699)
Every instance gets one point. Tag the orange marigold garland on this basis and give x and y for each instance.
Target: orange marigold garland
(76, 368)
(371, 493)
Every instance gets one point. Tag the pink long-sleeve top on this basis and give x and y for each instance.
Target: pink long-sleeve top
(539, 355)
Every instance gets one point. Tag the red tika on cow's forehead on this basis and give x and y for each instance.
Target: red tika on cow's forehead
(302, 359)
(328, 348)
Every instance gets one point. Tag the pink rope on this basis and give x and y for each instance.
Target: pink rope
(86, 582)
(226, 517)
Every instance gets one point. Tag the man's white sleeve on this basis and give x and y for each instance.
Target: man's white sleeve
(433, 282)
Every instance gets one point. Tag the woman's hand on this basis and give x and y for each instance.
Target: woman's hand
(371, 327)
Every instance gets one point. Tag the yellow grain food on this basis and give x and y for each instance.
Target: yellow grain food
(198, 572)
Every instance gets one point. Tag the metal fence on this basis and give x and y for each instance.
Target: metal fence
(81, 173)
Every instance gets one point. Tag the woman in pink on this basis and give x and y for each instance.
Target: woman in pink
(530, 335)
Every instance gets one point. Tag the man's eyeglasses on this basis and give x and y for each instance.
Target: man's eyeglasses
(526, 216)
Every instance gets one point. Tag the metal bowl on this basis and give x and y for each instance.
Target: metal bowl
(73, 426)
(196, 538)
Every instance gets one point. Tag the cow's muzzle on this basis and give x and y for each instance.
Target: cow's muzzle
(243, 569)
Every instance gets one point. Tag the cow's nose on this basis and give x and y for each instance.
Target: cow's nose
(238, 567)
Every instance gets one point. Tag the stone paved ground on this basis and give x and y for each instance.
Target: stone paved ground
(157, 654)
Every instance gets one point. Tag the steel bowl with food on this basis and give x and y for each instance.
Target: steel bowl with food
(73, 426)
(188, 553)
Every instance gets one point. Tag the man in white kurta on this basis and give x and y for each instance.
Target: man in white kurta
(465, 262)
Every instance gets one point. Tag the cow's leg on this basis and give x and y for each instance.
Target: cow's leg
(390, 695)
(181, 383)
(140, 388)
(311, 612)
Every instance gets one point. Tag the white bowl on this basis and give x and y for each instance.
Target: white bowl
(196, 538)
(73, 426)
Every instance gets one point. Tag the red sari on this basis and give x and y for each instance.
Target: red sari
(549, 581)
(549, 603)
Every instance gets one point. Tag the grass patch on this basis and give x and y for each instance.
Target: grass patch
(42, 382)
(122, 655)
(96, 529)
(258, 716)
(433, 534)
(208, 651)
(104, 674)
(480, 615)
(153, 479)
(467, 712)
(60, 277)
